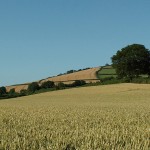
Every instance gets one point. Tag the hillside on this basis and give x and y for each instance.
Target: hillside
(106, 71)
(99, 117)
(88, 75)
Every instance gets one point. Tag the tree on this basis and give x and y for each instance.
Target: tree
(60, 85)
(23, 92)
(71, 71)
(3, 90)
(47, 84)
(78, 83)
(33, 87)
(132, 61)
(12, 92)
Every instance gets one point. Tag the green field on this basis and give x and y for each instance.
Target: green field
(106, 71)
(89, 118)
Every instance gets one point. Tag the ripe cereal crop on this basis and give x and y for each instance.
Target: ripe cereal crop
(109, 117)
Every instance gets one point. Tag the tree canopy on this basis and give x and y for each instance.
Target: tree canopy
(2, 90)
(78, 83)
(132, 61)
(33, 87)
(47, 84)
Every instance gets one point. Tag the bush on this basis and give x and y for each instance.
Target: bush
(33, 87)
(2, 90)
(60, 85)
(141, 80)
(12, 92)
(78, 83)
(107, 79)
(47, 84)
(70, 71)
(23, 92)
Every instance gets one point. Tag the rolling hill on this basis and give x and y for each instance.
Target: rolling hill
(89, 75)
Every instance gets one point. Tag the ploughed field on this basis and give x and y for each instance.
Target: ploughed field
(88, 118)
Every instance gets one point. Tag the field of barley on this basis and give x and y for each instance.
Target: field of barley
(109, 117)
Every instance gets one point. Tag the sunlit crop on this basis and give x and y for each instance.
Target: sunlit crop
(112, 117)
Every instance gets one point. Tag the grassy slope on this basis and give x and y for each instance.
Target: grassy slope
(106, 71)
(105, 117)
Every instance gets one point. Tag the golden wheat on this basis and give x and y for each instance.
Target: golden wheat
(114, 117)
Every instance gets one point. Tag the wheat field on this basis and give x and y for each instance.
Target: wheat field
(109, 117)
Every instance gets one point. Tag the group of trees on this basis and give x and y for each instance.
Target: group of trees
(34, 86)
(2, 91)
(73, 71)
(5, 94)
(132, 61)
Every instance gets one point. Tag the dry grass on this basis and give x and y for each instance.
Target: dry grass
(90, 118)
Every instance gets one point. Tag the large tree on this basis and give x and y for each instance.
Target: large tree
(131, 61)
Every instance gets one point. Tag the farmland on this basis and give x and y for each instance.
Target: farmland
(106, 71)
(88, 118)
(88, 76)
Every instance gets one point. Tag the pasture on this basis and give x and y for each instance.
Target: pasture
(113, 117)
(106, 71)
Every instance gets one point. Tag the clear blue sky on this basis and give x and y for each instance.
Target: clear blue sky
(42, 38)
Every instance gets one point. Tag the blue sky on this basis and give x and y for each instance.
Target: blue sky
(42, 38)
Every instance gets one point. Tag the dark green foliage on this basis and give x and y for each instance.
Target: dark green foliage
(107, 64)
(33, 87)
(23, 92)
(78, 83)
(106, 72)
(141, 80)
(12, 92)
(71, 71)
(44, 90)
(132, 61)
(60, 85)
(47, 84)
(107, 79)
(2, 90)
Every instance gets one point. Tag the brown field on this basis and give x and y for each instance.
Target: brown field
(17, 88)
(88, 75)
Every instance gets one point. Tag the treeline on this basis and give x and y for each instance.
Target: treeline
(11, 94)
(73, 71)
(35, 88)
